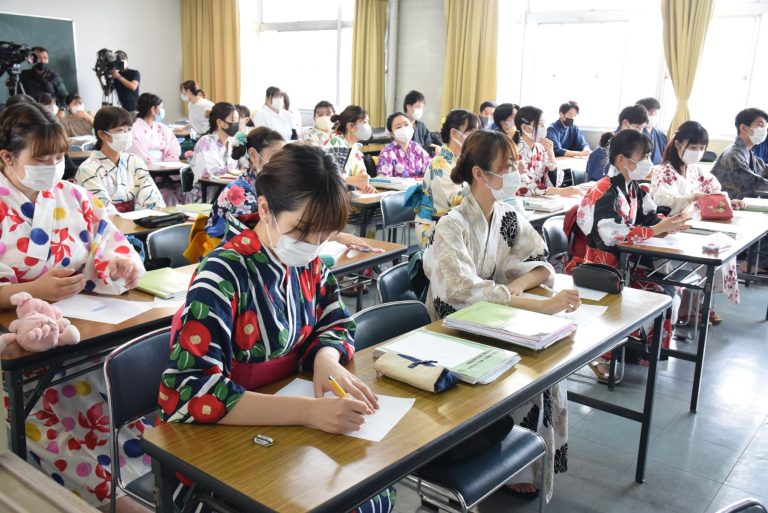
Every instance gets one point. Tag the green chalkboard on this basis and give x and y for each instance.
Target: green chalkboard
(55, 34)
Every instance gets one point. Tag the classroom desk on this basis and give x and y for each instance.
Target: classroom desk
(307, 470)
(165, 169)
(537, 217)
(217, 183)
(96, 340)
(753, 226)
(368, 207)
(572, 163)
(78, 157)
(128, 227)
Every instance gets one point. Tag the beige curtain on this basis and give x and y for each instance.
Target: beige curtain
(685, 30)
(368, 38)
(210, 47)
(469, 76)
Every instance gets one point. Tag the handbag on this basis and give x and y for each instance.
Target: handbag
(426, 375)
(715, 206)
(161, 221)
(598, 277)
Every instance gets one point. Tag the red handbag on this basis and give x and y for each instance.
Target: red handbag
(715, 206)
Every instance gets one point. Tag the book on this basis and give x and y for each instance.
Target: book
(756, 204)
(472, 362)
(520, 327)
(710, 227)
(393, 182)
(716, 242)
(543, 205)
(165, 283)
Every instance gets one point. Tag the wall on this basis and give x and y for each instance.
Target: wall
(148, 30)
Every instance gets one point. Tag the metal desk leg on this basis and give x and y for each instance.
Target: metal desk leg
(704, 320)
(364, 220)
(359, 299)
(650, 388)
(164, 484)
(16, 413)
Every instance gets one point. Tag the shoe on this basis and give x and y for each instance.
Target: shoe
(714, 319)
(603, 377)
(521, 495)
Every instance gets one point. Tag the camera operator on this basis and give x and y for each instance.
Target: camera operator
(42, 79)
(126, 83)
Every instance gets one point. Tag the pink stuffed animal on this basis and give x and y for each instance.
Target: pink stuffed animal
(40, 326)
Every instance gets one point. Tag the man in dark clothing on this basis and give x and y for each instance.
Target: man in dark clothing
(41, 79)
(126, 84)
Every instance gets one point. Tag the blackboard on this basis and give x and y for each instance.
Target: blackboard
(54, 34)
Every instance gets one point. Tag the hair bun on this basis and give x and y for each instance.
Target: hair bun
(335, 118)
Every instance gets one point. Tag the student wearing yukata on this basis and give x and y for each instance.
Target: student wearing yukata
(119, 179)
(403, 157)
(679, 183)
(320, 134)
(351, 126)
(153, 141)
(618, 211)
(55, 241)
(213, 151)
(485, 250)
(739, 170)
(537, 156)
(262, 307)
(438, 194)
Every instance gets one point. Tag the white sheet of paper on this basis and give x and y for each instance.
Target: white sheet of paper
(95, 308)
(333, 248)
(715, 227)
(168, 303)
(434, 347)
(583, 315)
(391, 410)
(168, 165)
(591, 294)
(138, 214)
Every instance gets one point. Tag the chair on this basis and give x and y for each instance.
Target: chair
(709, 156)
(470, 481)
(578, 177)
(187, 182)
(133, 372)
(395, 214)
(744, 506)
(171, 243)
(556, 240)
(394, 284)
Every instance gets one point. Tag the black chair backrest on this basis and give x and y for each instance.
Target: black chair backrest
(709, 156)
(578, 177)
(394, 212)
(187, 179)
(394, 284)
(171, 243)
(554, 236)
(383, 322)
(133, 373)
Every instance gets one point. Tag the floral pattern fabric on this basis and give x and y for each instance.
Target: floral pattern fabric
(355, 165)
(238, 198)
(535, 181)
(315, 137)
(410, 163)
(156, 143)
(439, 194)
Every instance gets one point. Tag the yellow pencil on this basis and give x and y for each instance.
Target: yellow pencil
(337, 388)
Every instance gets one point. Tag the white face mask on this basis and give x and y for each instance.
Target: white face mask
(121, 141)
(459, 143)
(323, 123)
(652, 120)
(758, 134)
(364, 131)
(404, 134)
(74, 109)
(184, 97)
(641, 169)
(53, 109)
(692, 156)
(510, 183)
(539, 134)
(417, 113)
(292, 252)
(277, 104)
(160, 116)
(42, 178)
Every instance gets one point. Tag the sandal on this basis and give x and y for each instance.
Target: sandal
(714, 319)
(521, 495)
(603, 377)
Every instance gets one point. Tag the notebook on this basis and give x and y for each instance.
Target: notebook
(543, 205)
(521, 327)
(708, 227)
(472, 362)
(756, 204)
(165, 283)
(394, 183)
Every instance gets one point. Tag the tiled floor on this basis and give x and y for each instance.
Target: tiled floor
(699, 462)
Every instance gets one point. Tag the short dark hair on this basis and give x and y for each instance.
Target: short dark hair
(565, 107)
(324, 105)
(627, 142)
(748, 116)
(302, 173)
(191, 85)
(502, 112)
(71, 97)
(481, 149)
(38, 49)
(145, 102)
(411, 98)
(391, 118)
(456, 119)
(286, 101)
(273, 91)
(258, 139)
(649, 103)
(121, 54)
(634, 115)
(351, 114)
(44, 98)
(244, 111)
(525, 116)
(219, 111)
(108, 118)
(690, 131)
(605, 139)
(486, 104)
(29, 125)
(18, 98)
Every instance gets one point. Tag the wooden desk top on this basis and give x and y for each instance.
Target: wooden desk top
(574, 163)
(356, 201)
(345, 470)
(568, 202)
(79, 155)
(391, 251)
(219, 180)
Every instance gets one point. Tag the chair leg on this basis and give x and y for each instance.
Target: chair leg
(543, 485)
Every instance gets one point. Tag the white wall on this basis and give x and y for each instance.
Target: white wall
(149, 31)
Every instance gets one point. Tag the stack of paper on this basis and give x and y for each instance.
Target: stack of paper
(394, 183)
(543, 205)
(333, 249)
(708, 227)
(168, 165)
(716, 242)
(522, 327)
(756, 204)
(472, 362)
(165, 283)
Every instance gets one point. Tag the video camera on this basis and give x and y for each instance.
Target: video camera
(11, 57)
(107, 61)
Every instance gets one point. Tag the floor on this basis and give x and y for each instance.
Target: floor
(698, 463)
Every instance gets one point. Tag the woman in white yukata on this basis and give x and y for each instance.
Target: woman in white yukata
(119, 179)
(55, 241)
(213, 151)
(484, 250)
(679, 183)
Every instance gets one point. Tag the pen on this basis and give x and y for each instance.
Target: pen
(337, 388)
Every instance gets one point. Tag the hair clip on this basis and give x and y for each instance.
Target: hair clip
(240, 139)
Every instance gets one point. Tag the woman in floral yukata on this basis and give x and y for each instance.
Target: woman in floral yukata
(262, 307)
(56, 240)
(485, 250)
(213, 151)
(403, 157)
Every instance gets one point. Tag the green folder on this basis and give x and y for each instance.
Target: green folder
(165, 283)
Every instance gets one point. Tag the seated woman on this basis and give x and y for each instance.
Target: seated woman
(213, 151)
(321, 133)
(538, 156)
(504, 119)
(438, 194)
(617, 211)
(289, 316)
(153, 141)
(57, 240)
(484, 250)
(77, 120)
(403, 157)
(119, 179)
(679, 183)
(350, 127)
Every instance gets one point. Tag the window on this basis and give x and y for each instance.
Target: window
(304, 47)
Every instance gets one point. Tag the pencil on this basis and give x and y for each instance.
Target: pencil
(337, 388)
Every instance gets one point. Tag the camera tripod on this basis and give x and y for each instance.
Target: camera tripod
(14, 84)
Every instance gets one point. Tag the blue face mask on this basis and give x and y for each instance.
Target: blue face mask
(160, 116)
